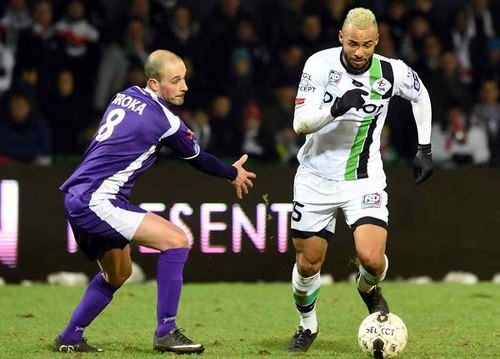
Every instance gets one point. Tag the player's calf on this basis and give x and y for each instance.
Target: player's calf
(369, 290)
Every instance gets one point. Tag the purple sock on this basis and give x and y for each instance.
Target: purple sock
(97, 296)
(169, 280)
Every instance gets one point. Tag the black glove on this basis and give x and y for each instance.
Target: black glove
(422, 164)
(351, 98)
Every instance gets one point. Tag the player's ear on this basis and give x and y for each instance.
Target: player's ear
(340, 37)
(153, 84)
(376, 40)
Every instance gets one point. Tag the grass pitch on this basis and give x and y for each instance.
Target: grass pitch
(243, 320)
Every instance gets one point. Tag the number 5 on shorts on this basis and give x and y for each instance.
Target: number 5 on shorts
(296, 215)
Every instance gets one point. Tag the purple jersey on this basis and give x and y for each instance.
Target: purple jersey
(135, 125)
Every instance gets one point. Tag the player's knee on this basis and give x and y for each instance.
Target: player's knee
(117, 279)
(178, 239)
(373, 264)
(307, 267)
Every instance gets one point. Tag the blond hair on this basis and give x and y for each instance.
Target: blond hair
(361, 18)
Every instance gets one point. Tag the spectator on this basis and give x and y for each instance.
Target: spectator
(141, 10)
(446, 88)
(288, 67)
(283, 15)
(198, 87)
(38, 47)
(218, 37)
(248, 38)
(199, 122)
(67, 116)
(389, 154)
(256, 141)
(486, 114)
(116, 61)
(493, 64)
(24, 135)
(431, 61)
(77, 32)
(332, 20)
(277, 121)
(425, 9)
(456, 144)
(385, 46)
(80, 46)
(226, 131)
(240, 84)
(311, 39)
(181, 33)
(397, 20)
(7, 63)
(480, 20)
(16, 18)
(413, 43)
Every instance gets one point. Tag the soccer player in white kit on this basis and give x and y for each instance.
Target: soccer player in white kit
(341, 106)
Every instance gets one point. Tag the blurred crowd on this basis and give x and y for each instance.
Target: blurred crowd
(62, 61)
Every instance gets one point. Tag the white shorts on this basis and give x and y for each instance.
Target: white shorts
(317, 201)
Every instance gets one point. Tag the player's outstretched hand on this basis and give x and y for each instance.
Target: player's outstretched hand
(422, 164)
(243, 179)
(352, 98)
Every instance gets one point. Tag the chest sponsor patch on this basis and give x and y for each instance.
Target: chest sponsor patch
(334, 76)
(372, 200)
(381, 86)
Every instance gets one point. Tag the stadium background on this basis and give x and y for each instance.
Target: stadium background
(244, 60)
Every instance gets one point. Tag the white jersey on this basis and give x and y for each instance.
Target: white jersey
(348, 147)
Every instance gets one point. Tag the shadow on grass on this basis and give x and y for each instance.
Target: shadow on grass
(332, 345)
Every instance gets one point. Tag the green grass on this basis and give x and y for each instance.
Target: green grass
(255, 320)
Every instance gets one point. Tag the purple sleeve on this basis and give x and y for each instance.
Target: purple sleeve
(183, 142)
(209, 164)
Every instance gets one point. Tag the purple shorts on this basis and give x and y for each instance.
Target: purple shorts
(101, 225)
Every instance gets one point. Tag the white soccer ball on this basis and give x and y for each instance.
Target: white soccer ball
(382, 335)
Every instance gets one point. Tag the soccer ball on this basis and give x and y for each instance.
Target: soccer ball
(382, 335)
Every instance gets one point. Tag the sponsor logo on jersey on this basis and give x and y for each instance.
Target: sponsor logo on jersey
(305, 83)
(334, 76)
(357, 83)
(189, 135)
(416, 81)
(381, 86)
(372, 200)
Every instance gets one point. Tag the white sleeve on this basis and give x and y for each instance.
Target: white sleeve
(309, 117)
(422, 111)
(409, 86)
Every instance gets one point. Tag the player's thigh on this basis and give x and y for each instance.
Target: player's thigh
(370, 242)
(366, 203)
(158, 233)
(315, 205)
(116, 265)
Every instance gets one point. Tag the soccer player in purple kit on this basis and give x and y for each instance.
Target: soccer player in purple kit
(136, 124)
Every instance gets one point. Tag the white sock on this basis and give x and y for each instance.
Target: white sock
(305, 292)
